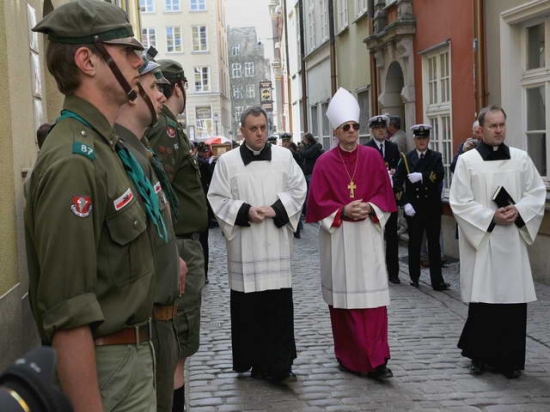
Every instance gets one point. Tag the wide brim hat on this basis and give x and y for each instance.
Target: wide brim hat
(343, 107)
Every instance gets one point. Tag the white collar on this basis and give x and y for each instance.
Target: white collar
(418, 152)
(254, 152)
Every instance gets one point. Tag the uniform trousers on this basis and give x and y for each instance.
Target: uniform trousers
(431, 224)
(392, 246)
(166, 345)
(126, 377)
(188, 318)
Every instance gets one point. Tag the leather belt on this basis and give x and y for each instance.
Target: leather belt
(164, 312)
(194, 236)
(127, 336)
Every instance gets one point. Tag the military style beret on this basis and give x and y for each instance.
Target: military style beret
(81, 22)
(421, 130)
(379, 121)
(171, 69)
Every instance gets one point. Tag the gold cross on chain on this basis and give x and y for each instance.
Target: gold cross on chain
(352, 188)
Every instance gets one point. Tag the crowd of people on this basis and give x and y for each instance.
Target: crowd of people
(119, 203)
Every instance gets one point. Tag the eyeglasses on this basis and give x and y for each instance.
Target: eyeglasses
(348, 126)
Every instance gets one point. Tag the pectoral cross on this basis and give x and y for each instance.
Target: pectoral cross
(352, 188)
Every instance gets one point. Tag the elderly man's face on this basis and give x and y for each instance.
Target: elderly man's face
(347, 133)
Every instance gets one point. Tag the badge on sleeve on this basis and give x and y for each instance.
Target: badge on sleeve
(171, 131)
(123, 200)
(157, 187)
(84, 150)
(432, 177)
(81, 205)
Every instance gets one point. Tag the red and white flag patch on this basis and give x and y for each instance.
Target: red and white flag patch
(158, 187)
(81, 205)
(123, 200)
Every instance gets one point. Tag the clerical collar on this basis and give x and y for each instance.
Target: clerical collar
(488, 153)
(346, 150)
(248, 155)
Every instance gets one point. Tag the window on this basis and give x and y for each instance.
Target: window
(249, 69)
(171, 5)
(149, 36)
(202, 79)
(342, 18)
(236, 50)
(363, 99)
(147, 6)
(200, 40)
(361, 7)
(237, 113)
(314, 122)
(323, 7)
(436, 68)
(174, 41)
(235, 70)
(197, 5)
(250, 91)
(237, 92)
(536, 127)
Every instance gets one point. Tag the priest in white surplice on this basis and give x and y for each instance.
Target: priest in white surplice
(257, 193)
(351, 197)
(495, 274)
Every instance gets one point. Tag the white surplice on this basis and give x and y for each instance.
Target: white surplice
(259, 256)
(353, 262)
(494, 266)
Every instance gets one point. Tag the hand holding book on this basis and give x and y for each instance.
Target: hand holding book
(502, 199)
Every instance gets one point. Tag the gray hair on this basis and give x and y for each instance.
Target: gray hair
(395, 121)
(483, 112)
(252, 111)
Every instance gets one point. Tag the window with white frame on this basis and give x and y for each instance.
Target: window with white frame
(147, 6)
(197, 5)
(323, 17)
(200, 39)
(149, 36)
(363, 98)
(249, 69)
(314, 121)
(342, 17)
(237, 113)
(250, 91)
(436, 71)
(202, 79)
(237, 92)
(312, 27)
(361, 7)
(236, 70)
(171, 5)
(236, 50)
(174, 41)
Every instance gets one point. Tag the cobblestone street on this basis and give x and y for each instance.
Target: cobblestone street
(429, 372)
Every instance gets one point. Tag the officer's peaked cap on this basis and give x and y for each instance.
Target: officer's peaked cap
(80, 22)
(379, 121)
(421, 130)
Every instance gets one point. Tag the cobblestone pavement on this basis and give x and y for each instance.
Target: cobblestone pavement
(430, 374)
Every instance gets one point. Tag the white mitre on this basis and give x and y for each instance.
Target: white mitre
(343, 107)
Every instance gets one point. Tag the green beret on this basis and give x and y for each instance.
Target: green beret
(79, 22)
(171, 69)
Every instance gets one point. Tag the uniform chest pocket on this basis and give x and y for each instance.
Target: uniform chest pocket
(130, 255)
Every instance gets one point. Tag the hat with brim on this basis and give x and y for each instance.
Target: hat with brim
(126, 41)
(421, 131)
(343, 107)
(379, 121)
(160, 77)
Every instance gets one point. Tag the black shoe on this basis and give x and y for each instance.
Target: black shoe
(283, 380)
(395, 280)
(381, 373)
(512, 374)
(258, 374)
(442, 287)
(206, 281)
(297, 235)
(415, 283)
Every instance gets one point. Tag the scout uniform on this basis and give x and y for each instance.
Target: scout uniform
(424, 196)
(89, 254)
(174, 149)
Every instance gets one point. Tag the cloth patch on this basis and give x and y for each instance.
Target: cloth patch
(123, 200)
(432, 177)
(158, 187)
(171, 131)
(81, 205)
(84, 150)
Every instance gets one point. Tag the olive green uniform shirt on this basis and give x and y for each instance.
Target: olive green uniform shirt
(89, 253)
(174, 150)
(166, 254)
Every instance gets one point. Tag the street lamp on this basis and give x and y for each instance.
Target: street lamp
(216, 118)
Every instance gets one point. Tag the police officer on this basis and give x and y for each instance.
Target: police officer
(417, 184)
(390, 153)
(90, 261)
(174, 149)
(133, 119)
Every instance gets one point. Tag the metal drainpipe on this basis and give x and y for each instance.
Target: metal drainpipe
(303, 65)
(332, 47)
(479, 57)
(288, 86)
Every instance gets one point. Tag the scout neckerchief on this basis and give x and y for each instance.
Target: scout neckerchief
(135, 172)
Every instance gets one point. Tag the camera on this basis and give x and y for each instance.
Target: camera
(26, 385)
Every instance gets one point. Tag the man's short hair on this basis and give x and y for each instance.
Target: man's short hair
(395, 121)
(483, 112)
(61, 64)
(252, 111)
(42, 133)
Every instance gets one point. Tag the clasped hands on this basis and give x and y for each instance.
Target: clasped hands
(258, 214)
(357, 210)
(506, 216)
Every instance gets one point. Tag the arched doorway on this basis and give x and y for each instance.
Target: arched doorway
(392, 100)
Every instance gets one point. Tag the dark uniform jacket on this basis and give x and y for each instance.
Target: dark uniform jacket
(308, 157)
(424, 196)
(391, 152)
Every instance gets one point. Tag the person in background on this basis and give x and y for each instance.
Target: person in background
(396, 134)
(286, 141)
(351, 198)
(257, 193)
(470, 143)
(206, 168)
(495, 274)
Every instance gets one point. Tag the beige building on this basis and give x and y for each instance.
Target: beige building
(193, 33)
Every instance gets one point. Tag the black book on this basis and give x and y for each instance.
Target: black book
(502, 199)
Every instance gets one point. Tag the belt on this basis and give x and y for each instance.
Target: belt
(194, 236)
(133, 335)
(161, 312)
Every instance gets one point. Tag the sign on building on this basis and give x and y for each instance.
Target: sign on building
(266, 98)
